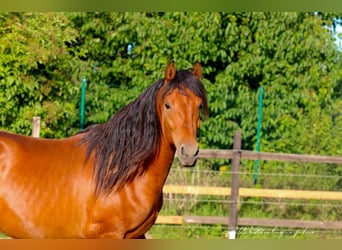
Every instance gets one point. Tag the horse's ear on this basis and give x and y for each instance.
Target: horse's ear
(170, 71)
(197, 70)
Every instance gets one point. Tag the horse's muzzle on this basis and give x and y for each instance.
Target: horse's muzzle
(187, 155)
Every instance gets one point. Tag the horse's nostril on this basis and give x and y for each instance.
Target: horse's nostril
(188, 151)
(182, 150)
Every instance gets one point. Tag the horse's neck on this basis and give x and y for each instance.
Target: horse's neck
(158, 172)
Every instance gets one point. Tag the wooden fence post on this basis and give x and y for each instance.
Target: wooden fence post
(36, 126)
(234, 196)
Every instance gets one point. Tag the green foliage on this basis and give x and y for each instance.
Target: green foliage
(126, 52)
(292, 55)
(36, 73)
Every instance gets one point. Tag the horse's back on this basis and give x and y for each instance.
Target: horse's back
(25, 155)
(40, 185)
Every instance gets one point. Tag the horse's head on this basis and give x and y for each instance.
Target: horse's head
(180, 101)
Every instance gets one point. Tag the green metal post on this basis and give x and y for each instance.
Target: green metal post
(83, 89)
(256, 168)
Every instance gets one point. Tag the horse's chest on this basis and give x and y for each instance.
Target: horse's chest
(142, 215)
(130, 215)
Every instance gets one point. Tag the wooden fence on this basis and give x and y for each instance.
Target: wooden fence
(234, 192)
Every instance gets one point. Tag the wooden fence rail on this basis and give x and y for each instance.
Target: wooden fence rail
(255, 192)
(250, 155)
(234, 192)
(210, 220)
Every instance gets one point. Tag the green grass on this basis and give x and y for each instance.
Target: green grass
(220, 232)
(3, 236)
(186, 232)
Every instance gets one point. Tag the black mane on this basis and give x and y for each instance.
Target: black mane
(128, 143)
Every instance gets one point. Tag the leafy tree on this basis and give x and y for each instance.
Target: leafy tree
(292, 55)
(36, 73)
(126, 52)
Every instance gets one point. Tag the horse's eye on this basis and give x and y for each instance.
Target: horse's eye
(167, 105)
(201, 106)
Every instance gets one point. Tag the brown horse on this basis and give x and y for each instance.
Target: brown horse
(106, 181)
